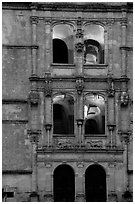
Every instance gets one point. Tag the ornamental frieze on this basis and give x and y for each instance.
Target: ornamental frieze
(94, 144)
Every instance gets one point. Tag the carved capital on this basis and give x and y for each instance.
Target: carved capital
(34, 20)
(34, 97)
(110, 22)
(125, 136)
(34, 135)
(124, 98)
(48, 127)
(80, 122)
(124, 21)
(79, 84)
(111, 127)
(47, 21)
(79, 47)
(34, 197)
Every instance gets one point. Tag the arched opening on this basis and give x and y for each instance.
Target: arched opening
(63, 114)
(93, 52)
(91, 127)
(95, 184)
(64, 184)
(60, 120)
(60, 51)
(94, 44)
(94, 114)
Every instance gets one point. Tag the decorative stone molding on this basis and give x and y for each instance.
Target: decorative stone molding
(34, 97)
(80, 197)
(34, 135)
(79, 85)
(34, 20)
(34, 197)
(79, 47)
(48, 84)
(64, 143)
(94, 144)
(48, 127)
(124, 21)
(125, 136)
(110, 90)
(80, 122)
(111, 127)
(48, 197)
(124, 98)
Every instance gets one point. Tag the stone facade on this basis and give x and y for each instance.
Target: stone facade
(61, 62)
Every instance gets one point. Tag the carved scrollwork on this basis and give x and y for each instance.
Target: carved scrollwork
(94, 144)
(63, 143)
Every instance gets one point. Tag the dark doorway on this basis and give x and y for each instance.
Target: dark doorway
(60, 51)
(64, 184)
(91, 127)
(95, 184)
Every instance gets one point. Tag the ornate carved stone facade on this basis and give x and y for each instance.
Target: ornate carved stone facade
(67, 95)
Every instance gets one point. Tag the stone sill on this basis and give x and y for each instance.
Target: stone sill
(95, 66)
(64, 136)
(62, 66)
(98, 136)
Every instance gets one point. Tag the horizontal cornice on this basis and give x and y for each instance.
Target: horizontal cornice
(70, 6)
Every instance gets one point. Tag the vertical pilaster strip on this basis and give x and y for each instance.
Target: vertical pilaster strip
(123, 43)
(79, 47)
(34, 22)
(110, 45)
(48, 44)
(48, 108)
(106, 45)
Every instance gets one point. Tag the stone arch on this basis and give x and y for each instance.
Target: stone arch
(64, 183)
(95, 183)
(64, 32)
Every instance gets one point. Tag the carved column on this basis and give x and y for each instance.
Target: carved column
(79, 47)
(34, 22)
(80, 112)
(123, 43)
(34, 138)
(79, 184)
(125, 138)
(49, 184)
(48, 109)
(110, 46)
(106, 45)
(48, 44)
(111, 111)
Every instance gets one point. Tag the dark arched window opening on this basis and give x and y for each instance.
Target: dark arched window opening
(91, 127)
(95, 184)
(60, 120)
(93, 52)
(64, 184)
(60, 51)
